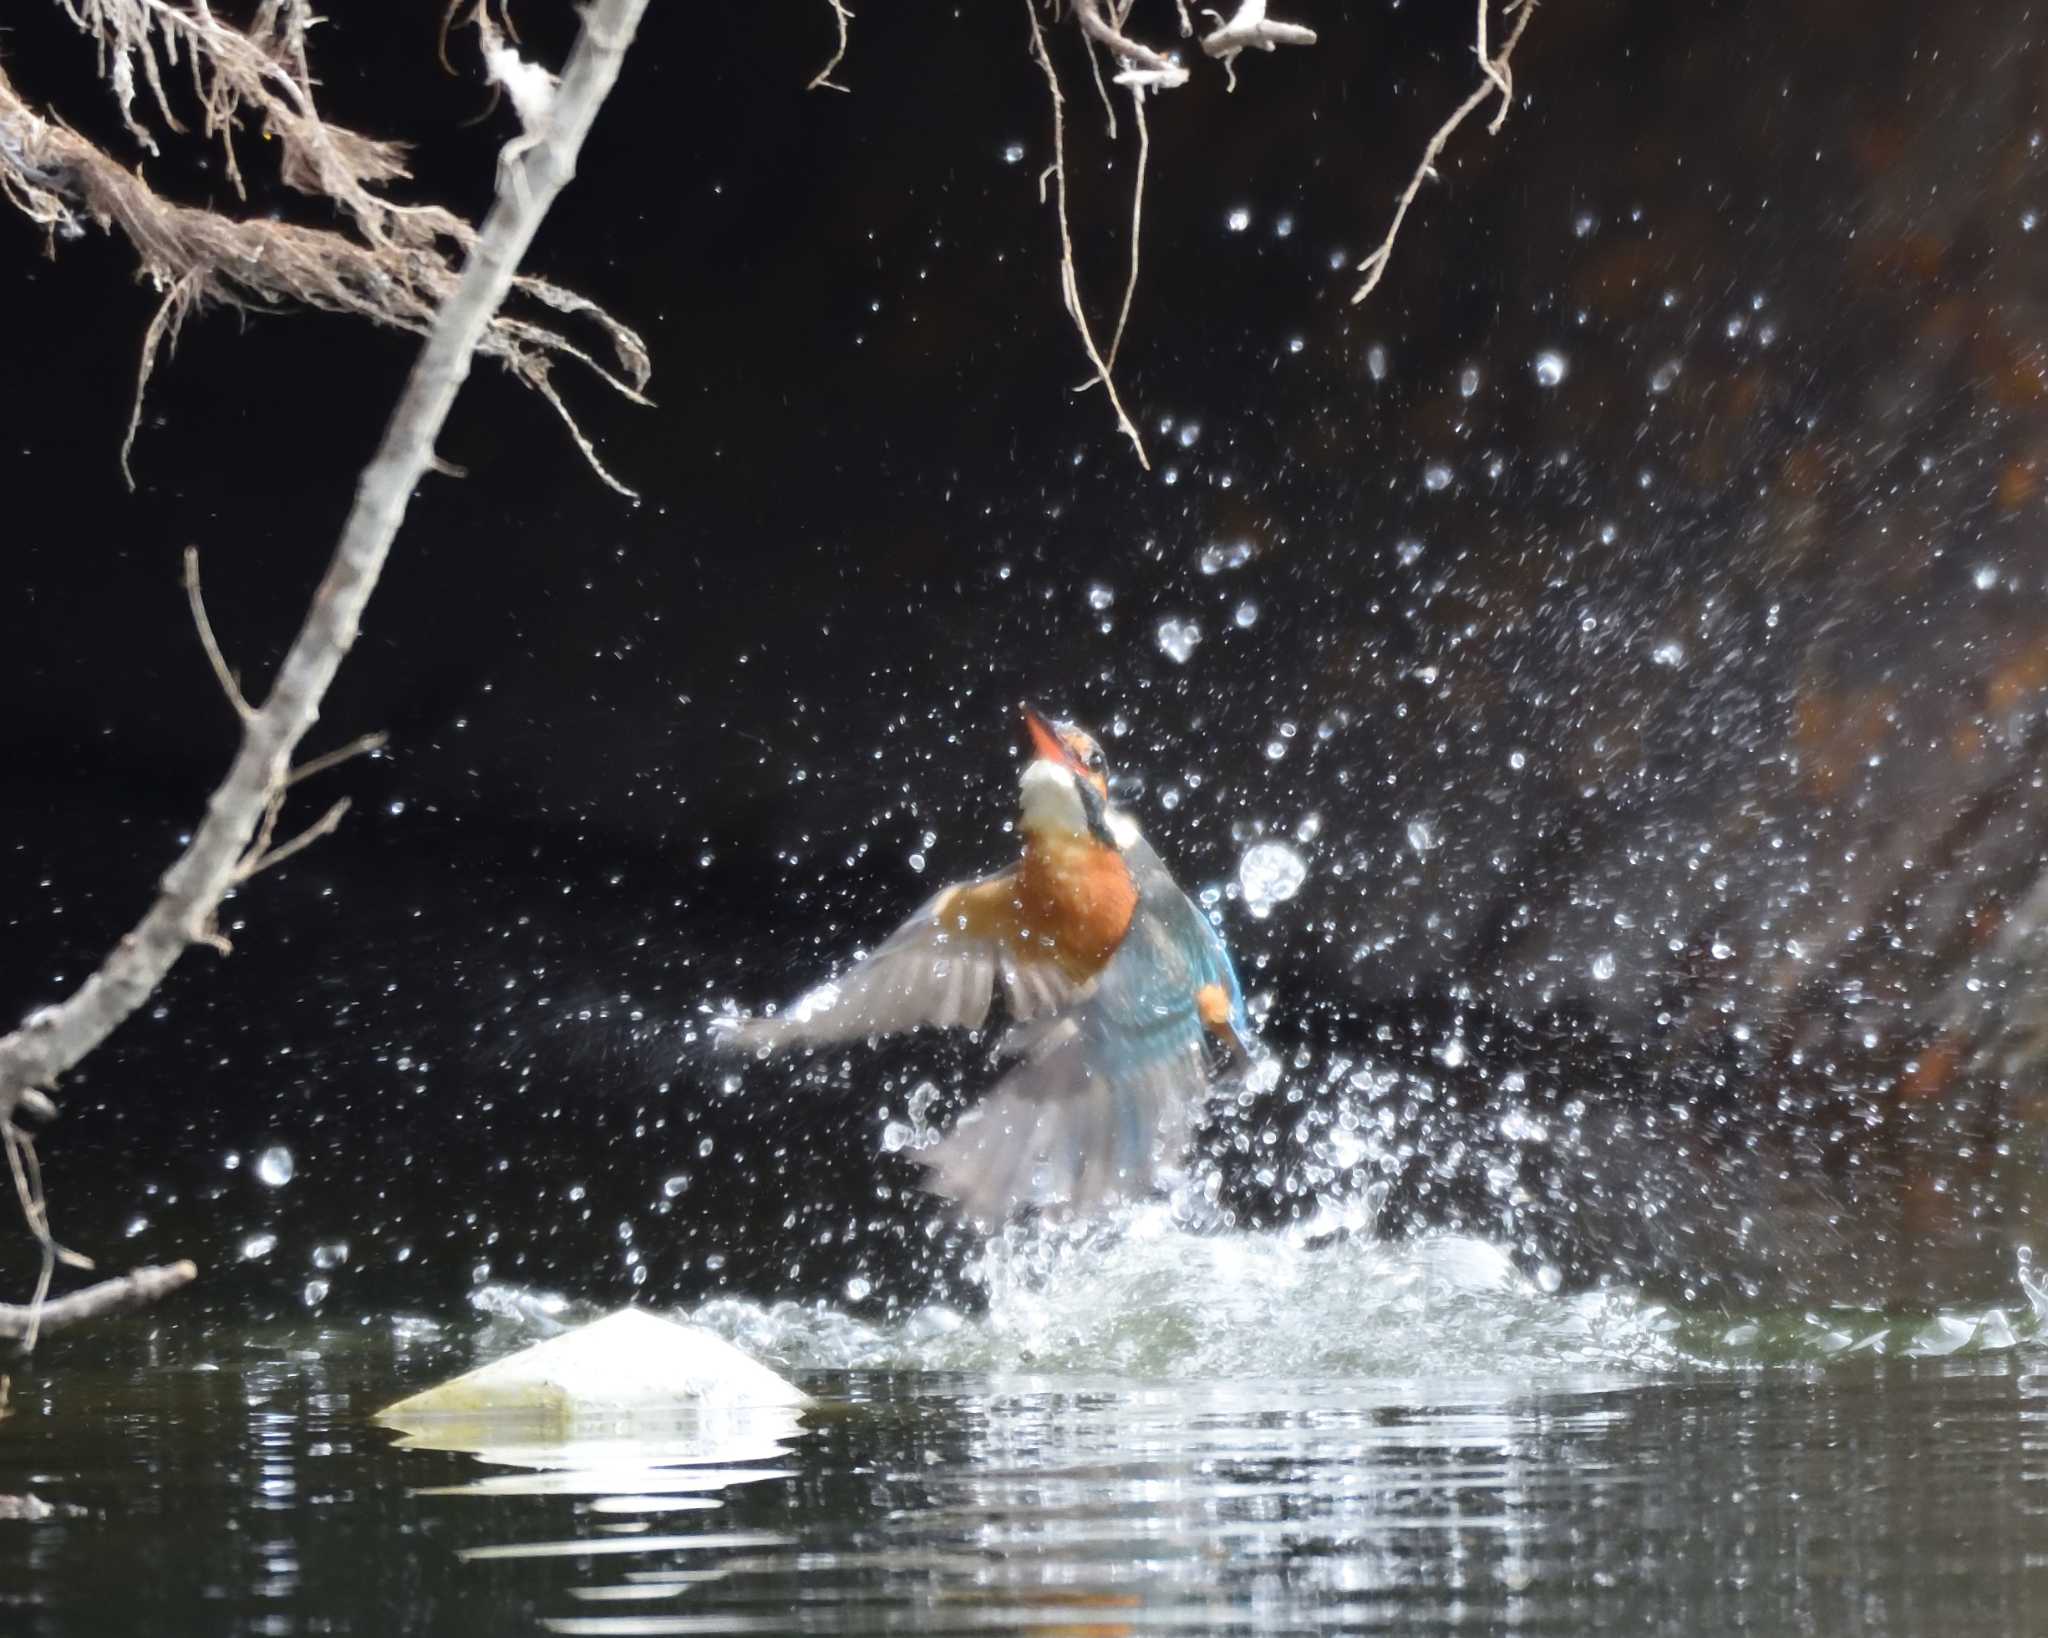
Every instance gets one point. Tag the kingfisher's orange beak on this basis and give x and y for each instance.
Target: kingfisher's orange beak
(1046, 742)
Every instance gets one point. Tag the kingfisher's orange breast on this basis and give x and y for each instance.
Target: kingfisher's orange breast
(1070, 901)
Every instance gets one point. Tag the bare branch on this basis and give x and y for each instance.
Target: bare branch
(1374, 267)
(1070, 289)
(823, 80)
(54, 1038)
(135, 1290)
(222, 674)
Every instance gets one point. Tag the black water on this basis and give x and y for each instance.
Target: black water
(220, 1482)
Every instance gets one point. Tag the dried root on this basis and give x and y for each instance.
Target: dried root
(397, 266)
(1496, 78)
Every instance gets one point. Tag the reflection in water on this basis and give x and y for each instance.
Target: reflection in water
(211, 1485)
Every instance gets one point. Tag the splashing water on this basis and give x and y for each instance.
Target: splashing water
(1155, 1292)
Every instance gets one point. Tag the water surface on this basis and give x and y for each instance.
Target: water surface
(1356, 1438)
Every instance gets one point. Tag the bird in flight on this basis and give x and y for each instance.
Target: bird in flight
(1122, 1002)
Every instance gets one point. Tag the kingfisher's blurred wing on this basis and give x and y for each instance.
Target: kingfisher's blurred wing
(939, 969)
(1099, 1089)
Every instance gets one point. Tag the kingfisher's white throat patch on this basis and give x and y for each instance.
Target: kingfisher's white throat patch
(1050, 804)
(1048, 801)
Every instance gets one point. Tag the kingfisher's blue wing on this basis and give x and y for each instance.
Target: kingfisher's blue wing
(1100, 1087)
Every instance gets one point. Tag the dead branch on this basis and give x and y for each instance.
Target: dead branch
(25, 1322)
(1496, 79)
(53, 1039)
(399, 268)
(822, 80)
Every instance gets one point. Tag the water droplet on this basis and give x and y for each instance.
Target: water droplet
(1670, 654)
(330, 1255)
(1295, 344)
(275, 1166)
(1603, 966)
(1985, 576)
(1468, 381)
(1284, 228)
(1584, 224)
(1218, 559)
(1100, 597)
(673, 1186)
(1408, 552)
(1665, 376)
(1270, 873)
(857, 1289)
(1190, 434)
(1177, 639)
(2029, 220)
(257, 1247)
(1247, 615)
(1012, 153)
(1436, 476)
(1376, 361)
(1550, 368)
(1548, 1279)
(136, 1225)
(1238, 220)
(314, 1293)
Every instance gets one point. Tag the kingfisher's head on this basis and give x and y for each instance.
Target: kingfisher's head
(1065, 786)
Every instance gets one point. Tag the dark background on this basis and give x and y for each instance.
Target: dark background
(1663, 744)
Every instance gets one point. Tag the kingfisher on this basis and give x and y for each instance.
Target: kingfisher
(1122, 1003)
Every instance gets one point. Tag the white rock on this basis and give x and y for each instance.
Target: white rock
(628, 1363)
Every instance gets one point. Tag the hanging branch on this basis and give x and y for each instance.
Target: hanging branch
(1496, 78)
(54, 1039)
(1070, 287)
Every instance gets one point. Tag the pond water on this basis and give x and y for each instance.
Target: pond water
(1352, 1437)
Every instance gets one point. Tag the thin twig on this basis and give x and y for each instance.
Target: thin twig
(362, 745)
(222, 674)
(1070, 289)
(137, 1289)
(1374, 267)
(823, 80)
(323, 826)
